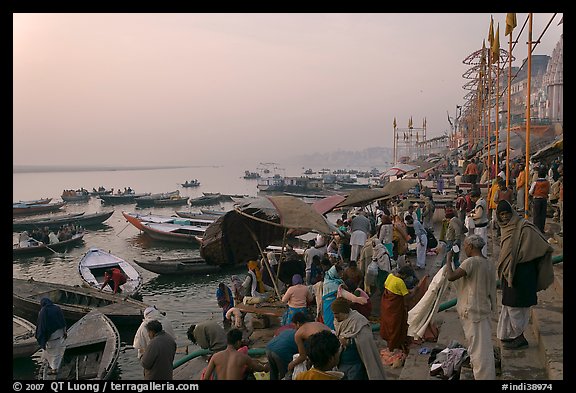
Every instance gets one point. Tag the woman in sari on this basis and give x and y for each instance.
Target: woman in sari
(332, 280)
(393, 310)
(225, 299)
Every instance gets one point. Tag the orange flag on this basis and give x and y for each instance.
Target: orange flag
(491, 32)
(394, 124)
(496, 47)
(510, 23)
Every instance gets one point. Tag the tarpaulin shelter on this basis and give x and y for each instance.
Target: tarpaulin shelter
(242, 234)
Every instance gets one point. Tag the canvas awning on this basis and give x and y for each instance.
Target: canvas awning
(363, 197)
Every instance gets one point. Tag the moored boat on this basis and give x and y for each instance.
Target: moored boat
(75, 302)
(33, 201)
(148, 200)
(91, 351)
(40, 247)
(204, 200)
(188, 265)
(25, 209)
(138, 219)
(82, 219)
(24, 342)
(96, 261)
(172, 201)
(174, 232)
(121, 198)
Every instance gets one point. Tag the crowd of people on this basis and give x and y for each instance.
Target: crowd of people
(376, 252)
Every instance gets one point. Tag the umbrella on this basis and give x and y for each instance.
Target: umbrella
(327, 204)
(401, 186)
(363, 197)
(398, 169)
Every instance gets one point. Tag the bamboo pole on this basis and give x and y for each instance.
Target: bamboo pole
(509, 114)
(281, 255)
(526, 188)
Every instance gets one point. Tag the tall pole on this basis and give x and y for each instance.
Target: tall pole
(526, 188)
(395, 143)
(497, 109)
(509, 114)
(489, 106)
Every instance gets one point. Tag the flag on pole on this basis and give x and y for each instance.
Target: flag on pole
(394, 124)
(410, 122)
(491, 32)
(510, 22)
(496, 47)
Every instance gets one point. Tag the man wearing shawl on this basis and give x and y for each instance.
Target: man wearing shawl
(360, 358)
(332, 280)
(524, 267)
(141, 338)
(297, 296)
(253, 283)
(51, 333)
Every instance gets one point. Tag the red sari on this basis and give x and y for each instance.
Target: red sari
(393, 320)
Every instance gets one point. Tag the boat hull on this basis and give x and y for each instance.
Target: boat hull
(180, 266)
(92, 348)
(75, 302)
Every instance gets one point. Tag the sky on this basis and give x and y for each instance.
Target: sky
(227, 88)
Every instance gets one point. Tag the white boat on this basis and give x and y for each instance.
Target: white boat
(138, 220)
(174, 232)
(92, 350)
(96, 261)
(24, 342)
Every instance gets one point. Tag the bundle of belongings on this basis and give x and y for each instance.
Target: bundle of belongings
(446, 363)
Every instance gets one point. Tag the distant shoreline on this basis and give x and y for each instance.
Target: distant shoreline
(66, 168)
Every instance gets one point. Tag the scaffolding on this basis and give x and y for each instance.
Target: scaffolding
(407, 142)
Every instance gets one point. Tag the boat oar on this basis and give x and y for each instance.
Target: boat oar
(123, 229)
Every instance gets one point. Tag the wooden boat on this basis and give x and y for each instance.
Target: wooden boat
(47, 248)
(193, 183)
(137, 220)
(189, 265)
(174, 232)
(173, 201)
(121, 198)
(197, 216)
(75, 196)
(24, 342)
(205, 200)
(33, 201)
(213, 212)
(96, 261)
(75, 302)
(82, 219)
(92, 350)
(24, 209)
(100, 191)
(148, 200)
(251, 175)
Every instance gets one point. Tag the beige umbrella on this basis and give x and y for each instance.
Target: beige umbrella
(363, 197)
(398, 187)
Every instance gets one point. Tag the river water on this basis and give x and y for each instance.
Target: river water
(185, 299)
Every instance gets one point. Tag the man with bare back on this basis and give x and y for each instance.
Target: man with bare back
(304, 331)
(230, 364)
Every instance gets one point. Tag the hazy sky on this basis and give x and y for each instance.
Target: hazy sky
(172, 89)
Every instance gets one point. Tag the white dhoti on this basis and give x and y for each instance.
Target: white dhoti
(421, 251)
(357, 241)
(520, 199)
(479, 338)
(54, 351)
(512, 322)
